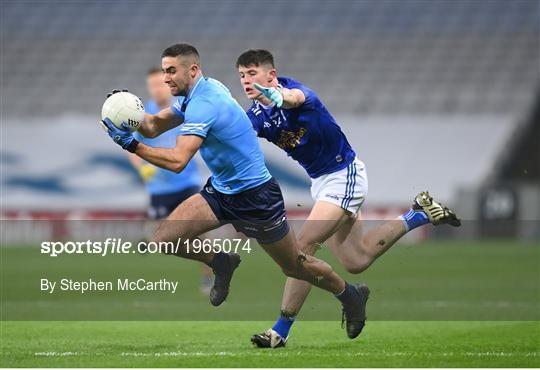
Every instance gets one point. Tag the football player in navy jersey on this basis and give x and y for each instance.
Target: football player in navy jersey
(291, 115)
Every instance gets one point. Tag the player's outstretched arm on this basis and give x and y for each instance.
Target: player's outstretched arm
(156, 124)
(283, 97)
(175, 159)
(292, 98)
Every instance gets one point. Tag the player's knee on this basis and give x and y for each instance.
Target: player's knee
(354, 269)
(165, 240)
(308, 267)
(307, 246)
(357, 265)
(291, 272)
(161, 239)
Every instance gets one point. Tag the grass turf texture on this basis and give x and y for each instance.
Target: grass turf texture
(225, 344)
(465, 282)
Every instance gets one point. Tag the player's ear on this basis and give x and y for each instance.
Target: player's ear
(272, 74)
(194, 69)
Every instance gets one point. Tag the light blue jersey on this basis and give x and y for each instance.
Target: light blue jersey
(165, 181)
(230, 147)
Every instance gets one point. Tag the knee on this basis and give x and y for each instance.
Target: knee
(309, 247)
(161, 239)
(293, 269)
(291, 272)
(166, 240)
(307, 267)
(162, 234)
(354, 269)
(357, 265)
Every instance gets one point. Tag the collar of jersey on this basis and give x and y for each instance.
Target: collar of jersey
(266, 107)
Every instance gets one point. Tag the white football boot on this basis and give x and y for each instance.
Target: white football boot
(268, 339)
(437, 213)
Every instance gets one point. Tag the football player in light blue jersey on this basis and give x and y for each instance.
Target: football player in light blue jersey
(291, 115)
(166, 188)
(240, 191)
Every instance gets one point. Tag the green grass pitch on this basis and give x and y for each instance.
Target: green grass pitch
(437, 304)
(225, 344)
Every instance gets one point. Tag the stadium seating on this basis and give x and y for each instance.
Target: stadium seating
(363, 57)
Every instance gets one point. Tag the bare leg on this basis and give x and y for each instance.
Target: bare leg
(303, 269)
(325, 218)
(190, 219)
(355, 251)
(296, 264)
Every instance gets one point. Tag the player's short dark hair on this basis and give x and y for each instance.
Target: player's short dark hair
(255, 57)
(153, 71)
(181, 50)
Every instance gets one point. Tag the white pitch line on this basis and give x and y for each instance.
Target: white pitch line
(57, 354)
(357, 354)
(280, 353)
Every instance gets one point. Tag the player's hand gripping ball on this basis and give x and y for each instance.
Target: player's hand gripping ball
(122, 107)
(121, 114)
(121, 136)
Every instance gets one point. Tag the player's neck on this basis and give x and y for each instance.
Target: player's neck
(193, 84)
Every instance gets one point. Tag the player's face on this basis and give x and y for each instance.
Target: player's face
(157, 89)
(177, 75)
(263, 75)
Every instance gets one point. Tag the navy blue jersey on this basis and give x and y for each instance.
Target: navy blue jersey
(309, 134)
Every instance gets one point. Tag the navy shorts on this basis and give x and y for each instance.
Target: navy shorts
(161, 205)
(258, 213)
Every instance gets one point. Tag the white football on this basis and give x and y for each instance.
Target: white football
(124, 107)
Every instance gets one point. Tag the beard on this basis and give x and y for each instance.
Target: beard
(183, 88)
(179, 91)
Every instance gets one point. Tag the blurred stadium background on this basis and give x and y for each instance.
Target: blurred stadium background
(438, 95)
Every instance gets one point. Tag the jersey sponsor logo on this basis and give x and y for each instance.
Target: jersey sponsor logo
(290, 139)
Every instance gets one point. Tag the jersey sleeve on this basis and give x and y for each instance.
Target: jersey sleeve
(309, 94)
(199, 118)
(176, 107)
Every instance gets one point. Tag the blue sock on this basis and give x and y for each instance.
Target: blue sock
(283, 325)
(413, 219)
